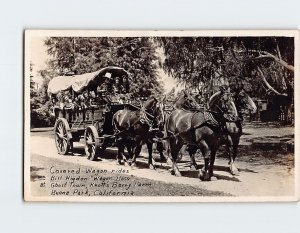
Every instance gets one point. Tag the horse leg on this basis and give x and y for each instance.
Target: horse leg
(118, 158)
(232, 146)
(151, 162)
(168, 151)
(175, 147)
(204, 171)
(120, 145)
(234, 169)
(211, 164)
(120, 154)
(130, 152)
(160, 149)
(192, 152)
(137, 151)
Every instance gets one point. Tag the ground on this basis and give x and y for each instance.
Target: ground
(266, 169)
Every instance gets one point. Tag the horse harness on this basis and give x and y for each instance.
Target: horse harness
(146, 118)
(209, 120)
(143, 117)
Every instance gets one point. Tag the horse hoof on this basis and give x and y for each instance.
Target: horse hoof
(152, 167)
(169, 161)
(203, 176)
(119, 162)
(200, 174)
(235, 173)
(172, 172)
(233, 170)
(213, 178)
(178, 174)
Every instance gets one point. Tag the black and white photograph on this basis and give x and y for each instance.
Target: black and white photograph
(160, 116)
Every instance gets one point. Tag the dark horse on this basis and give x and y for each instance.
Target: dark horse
(205, 130)
(243, 102)
(134, 128)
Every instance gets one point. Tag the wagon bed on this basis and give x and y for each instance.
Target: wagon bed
(93, 124)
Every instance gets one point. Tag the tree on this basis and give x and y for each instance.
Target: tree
(87, 54)
(79, 55)
(263, 66)
(39, 100)
(241, 60)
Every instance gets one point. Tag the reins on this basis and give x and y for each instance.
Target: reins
(209, 120)
(144, 118)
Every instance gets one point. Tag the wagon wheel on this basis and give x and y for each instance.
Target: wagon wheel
(63, 136)
(92, 142)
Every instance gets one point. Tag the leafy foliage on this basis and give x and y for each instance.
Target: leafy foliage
(205, 60)
(39, 102)
(80, 55)
(259, 65)
(87, 54)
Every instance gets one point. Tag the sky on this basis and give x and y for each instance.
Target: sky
(169, 82)
(39, 57)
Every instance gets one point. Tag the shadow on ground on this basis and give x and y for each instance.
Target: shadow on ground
(34, 176)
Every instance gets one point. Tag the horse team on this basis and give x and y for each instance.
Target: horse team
(205, 129)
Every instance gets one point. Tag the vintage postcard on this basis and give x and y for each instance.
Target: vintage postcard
(161, 116)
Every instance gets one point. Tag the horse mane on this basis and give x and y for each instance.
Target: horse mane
(216, 97)
(213, 99)
(249, 99)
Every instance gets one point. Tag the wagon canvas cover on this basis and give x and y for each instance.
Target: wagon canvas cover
(60, 83)
(75, 150)
(79, 82)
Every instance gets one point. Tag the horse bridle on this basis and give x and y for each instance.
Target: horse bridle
(144, 120)
(228, 116)
(145, 117)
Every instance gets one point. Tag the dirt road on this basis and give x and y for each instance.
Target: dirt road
(262, 173)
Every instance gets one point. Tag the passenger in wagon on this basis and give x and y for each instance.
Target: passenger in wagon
(117, 85)
(125, 84)
(108, 83)
(101, 91)
(60, 98)
(68, 103)
(76, 103)
(86, 103)
(69, 107)
(79, 102)
(93, 99)
(52, 106)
